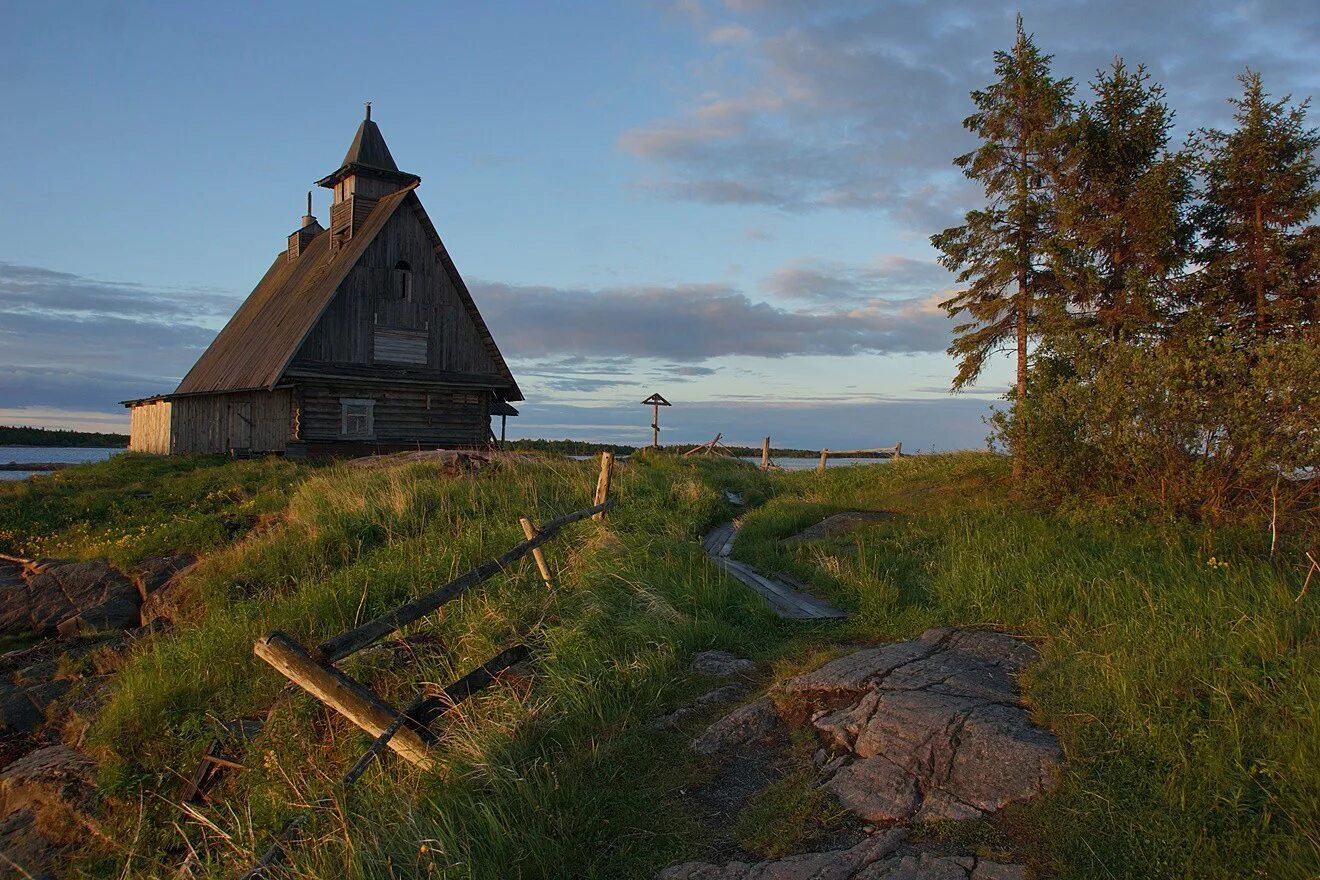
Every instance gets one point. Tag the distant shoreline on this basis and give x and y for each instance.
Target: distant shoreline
(24, 437)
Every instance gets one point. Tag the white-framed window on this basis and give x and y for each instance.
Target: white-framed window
(357, 418)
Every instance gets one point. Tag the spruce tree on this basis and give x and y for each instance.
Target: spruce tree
(1259, 196)
(1123, 235)
(999, 251)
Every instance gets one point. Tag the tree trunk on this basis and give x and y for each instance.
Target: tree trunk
(1260, 272)
(1020, 425)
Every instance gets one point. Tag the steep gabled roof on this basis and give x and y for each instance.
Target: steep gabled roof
(264, 335)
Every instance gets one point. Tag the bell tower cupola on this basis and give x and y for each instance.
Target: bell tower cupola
(366, 175)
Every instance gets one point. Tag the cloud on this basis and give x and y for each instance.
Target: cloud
(888, 276)
(697, 322)
(75, 343)
(854, 104)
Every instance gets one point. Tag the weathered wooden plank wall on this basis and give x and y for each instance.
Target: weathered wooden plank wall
(217, 423)
(401, 414)
(149, 429)
(369, 297)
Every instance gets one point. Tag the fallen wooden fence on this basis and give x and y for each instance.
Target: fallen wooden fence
(894, 452)
(407, 732)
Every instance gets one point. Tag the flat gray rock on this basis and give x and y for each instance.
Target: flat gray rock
(929, 729)
(881, 857)
(718, 664)
(742, 726)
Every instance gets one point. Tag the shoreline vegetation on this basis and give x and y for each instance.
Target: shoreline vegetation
(22, 435)
(587, 447)
(1178, 666)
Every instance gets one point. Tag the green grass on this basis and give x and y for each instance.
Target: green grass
(1186, 695)
(132, 506)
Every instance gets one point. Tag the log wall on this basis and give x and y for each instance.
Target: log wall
(402, 414)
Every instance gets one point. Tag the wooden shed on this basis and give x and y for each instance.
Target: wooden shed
(360, 338)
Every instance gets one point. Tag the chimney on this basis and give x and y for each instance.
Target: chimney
(299, 240)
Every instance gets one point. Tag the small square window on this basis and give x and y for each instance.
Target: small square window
(357, 419)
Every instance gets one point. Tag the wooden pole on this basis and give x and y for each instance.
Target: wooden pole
(373, 631)
(537, 553)
(824, 454)
(603, 482)
(341, 693)
(765, 454)
(898, 451)
(504, 422)
(655, 426)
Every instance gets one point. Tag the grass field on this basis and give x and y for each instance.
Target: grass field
(1186, 692)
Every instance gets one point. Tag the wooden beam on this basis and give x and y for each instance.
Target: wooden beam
(341, 693)
(537, 553)
(765, 454)
(372, 631)
(603, 482)
(824, 454)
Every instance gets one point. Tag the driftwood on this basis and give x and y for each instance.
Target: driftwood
(374, 630)
(354, 701)
(714, 447)
(437, 705)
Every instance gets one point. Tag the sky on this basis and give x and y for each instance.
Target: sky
(725, 201)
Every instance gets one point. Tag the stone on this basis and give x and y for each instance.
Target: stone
(719, 664)
(726, 694)
(842, 864)
(168, 601)
(17, 714)
(73, 598)
(742, 726)
(930, 729)
(27, 853)
(882, 856)
(155, 572)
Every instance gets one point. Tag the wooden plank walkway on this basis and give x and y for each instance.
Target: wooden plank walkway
(782, 599)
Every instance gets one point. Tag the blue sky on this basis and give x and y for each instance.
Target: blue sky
(727, 202)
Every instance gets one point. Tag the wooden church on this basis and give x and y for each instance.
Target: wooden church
(360, 338)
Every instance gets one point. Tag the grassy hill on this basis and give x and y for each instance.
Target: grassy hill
(1180, 666)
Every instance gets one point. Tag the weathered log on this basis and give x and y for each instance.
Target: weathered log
(341, 693)
(373, 631)
(603, 482)
(537, 553)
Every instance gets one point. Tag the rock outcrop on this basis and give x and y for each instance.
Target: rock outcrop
(880, 857)
(917, 731)
(929, 729)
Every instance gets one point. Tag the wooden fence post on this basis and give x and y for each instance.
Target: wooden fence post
(898, 451)
(539, 555)
(603, 483)
(765, 454)
(824, 454)
(343, 694)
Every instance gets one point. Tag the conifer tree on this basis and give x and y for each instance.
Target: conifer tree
(1260, 193)
(1123, 234)
(999, 251)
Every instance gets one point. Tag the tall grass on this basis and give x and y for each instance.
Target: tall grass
(1180, 669)
(1179, 666)
(555, 776)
